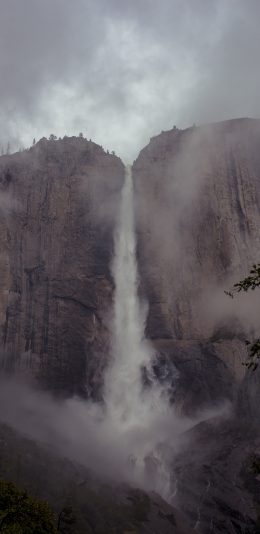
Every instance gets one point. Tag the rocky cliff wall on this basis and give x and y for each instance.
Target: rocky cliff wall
(198, 218)
(58, 206)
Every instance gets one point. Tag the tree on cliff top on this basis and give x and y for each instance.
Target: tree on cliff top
(21, 514)
(250, 282)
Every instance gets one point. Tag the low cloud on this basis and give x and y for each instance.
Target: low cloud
(120, 72)
(83, 432)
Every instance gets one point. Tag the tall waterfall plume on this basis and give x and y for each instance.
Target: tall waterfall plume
(138, 411)
(124, 384)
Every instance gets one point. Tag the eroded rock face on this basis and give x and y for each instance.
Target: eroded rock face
(197, 209)
(58, 208)
(217, 488)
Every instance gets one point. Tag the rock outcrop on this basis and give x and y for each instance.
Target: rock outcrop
(58, 206)
(217, 486)
(198, 218)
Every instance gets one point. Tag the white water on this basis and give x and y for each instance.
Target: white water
(124, 384)
(139, 414)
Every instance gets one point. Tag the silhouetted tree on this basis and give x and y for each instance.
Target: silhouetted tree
(249, 282)
(52, 137)
(80, 134)
(66, 519)
(21, 514)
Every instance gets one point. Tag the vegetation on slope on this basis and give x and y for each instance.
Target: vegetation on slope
(249, 282)
(21, 514)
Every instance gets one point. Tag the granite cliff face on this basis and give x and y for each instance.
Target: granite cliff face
(58, 206)
(198, 218)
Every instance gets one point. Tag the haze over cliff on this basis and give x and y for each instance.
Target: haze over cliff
(56, 249)
(197, 222)
(196, 194)
(129, 206)
(197, 207)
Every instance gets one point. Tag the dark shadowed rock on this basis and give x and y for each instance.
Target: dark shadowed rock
(216, 486)
(58, 211)
(198, 218)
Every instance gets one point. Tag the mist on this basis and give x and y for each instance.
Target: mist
(182, 192)
(133, 435)
(152, 337)
(82, 431)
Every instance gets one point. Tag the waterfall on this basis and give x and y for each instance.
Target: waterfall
(124, 381)
(137, 412)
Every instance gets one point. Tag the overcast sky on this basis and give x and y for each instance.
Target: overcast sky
(120, 71)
